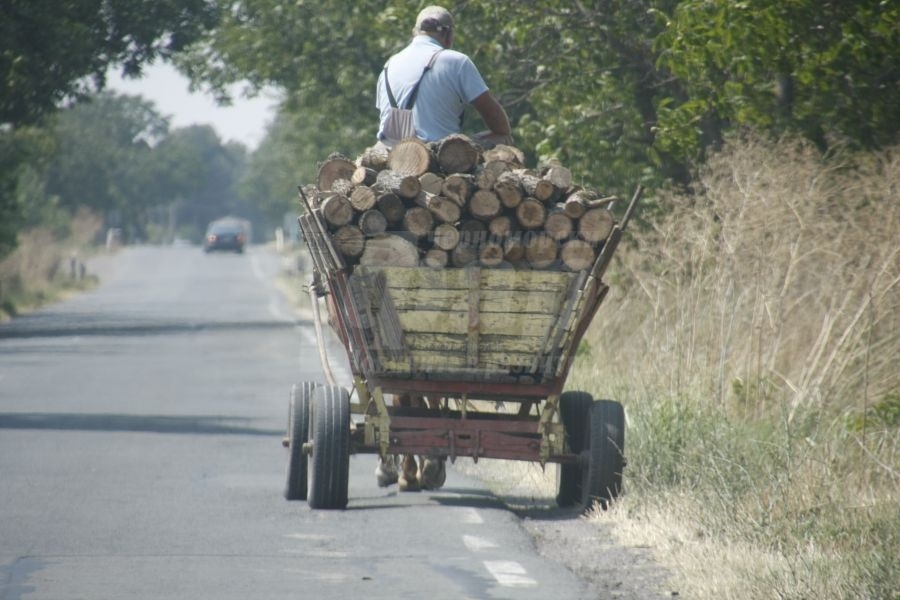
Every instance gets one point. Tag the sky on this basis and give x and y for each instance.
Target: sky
(244, 121)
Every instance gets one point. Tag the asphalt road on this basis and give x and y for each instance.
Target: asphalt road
(141, 457)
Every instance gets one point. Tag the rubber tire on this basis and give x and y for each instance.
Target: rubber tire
(329, 467)
(298, 434)
(574, 408)
(602, 478)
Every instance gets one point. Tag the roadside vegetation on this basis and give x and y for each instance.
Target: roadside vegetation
(753, 335)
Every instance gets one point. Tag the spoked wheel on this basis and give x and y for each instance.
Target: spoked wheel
(597, 432)
(573, 411)
(297, 435)
(329, 466)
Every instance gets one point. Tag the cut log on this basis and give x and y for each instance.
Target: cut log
(458, 188)
(457, 154)
(337, 210)
(484, 205)
(343, 187)
(372, 222)
(558, 175)
(502, 227)
(582, 201)
(349, 240)
(374, 157)
(509, 154)
(392, 207)
(540, 250)
(436, 258)
(509, 189)
(446, 236)
(431, 183)
(334, 168)
(405, 186)
(418, 221)
(363, 198)
(531, 213)
(596, 225)
(487, 174)
(491, 254)
(389, 250)
(363, 176)
(514, 249)
(538, 188)
(443, 209)
(472, 231)
(410, 157)
(559, 225)
(577, 255)
(463, 255)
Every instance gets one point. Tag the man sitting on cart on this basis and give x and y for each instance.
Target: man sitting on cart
(422, 92)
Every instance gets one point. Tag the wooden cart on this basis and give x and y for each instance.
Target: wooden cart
(490, 348)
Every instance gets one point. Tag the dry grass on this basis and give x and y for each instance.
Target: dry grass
(38, 270)
(752, 336)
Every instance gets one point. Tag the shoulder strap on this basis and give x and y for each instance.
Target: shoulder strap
(415, 91)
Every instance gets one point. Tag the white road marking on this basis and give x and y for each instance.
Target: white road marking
(472, 517)
(257, 270)
(509, 573)
(477, 544)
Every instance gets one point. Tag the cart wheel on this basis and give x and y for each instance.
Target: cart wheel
(602, 479)
(574, 408)
(329, 471)
(298, 434)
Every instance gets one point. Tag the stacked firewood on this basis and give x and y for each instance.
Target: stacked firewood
(451, 204)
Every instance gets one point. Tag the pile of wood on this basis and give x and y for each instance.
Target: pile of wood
(451, 204)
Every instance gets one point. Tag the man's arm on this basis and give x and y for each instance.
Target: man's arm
(494, 117)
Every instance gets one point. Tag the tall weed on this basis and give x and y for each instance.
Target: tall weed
(752, 335)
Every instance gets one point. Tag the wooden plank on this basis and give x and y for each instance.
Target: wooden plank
(486, 343)
(433, 321)
(474, 276)
(437, 362)
(526, 324)
(491, 279)
(497, 301)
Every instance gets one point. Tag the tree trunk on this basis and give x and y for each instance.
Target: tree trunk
(389, 250)
(444, 210)
(457, 154)
(531, 214)
(337, 210)
(540, 250)
(334, 168)
(509, 189)
(392, 207)
(577, 255)
(458, 188)
(446, 236)
(484, 205)
(418, 221)
(596, 225)
(410, 157)
(363, 198)
(372, 222)
(349, 240)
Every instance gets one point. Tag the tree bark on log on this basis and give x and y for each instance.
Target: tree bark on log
(389, 250)
(540, 250)
(410, 157)
(508, 154)
(405, 186)
(363, 198)
(443, 209)
(374, 157)
(509, 189)
(531, 213)
(337, 210)
(363, 176)
(349, 240)
(538, 188)
(582, 201)
(418, 221)
(334, 168)
(457, 154)
(486, 175)
(484, 205)
(392, 207)
(372, 222)
(446, 236)
(458, 188)
(595, 225)
(577, 255)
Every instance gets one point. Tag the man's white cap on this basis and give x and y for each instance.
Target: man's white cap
(432, 19)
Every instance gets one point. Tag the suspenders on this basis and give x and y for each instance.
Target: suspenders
(408, 105)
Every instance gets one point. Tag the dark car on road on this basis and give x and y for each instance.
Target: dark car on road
(225, 235)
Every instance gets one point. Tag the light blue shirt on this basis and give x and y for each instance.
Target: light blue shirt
(449, 85)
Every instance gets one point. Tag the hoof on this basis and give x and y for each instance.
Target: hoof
(386, 472)
(409, 485)
(433, 473)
